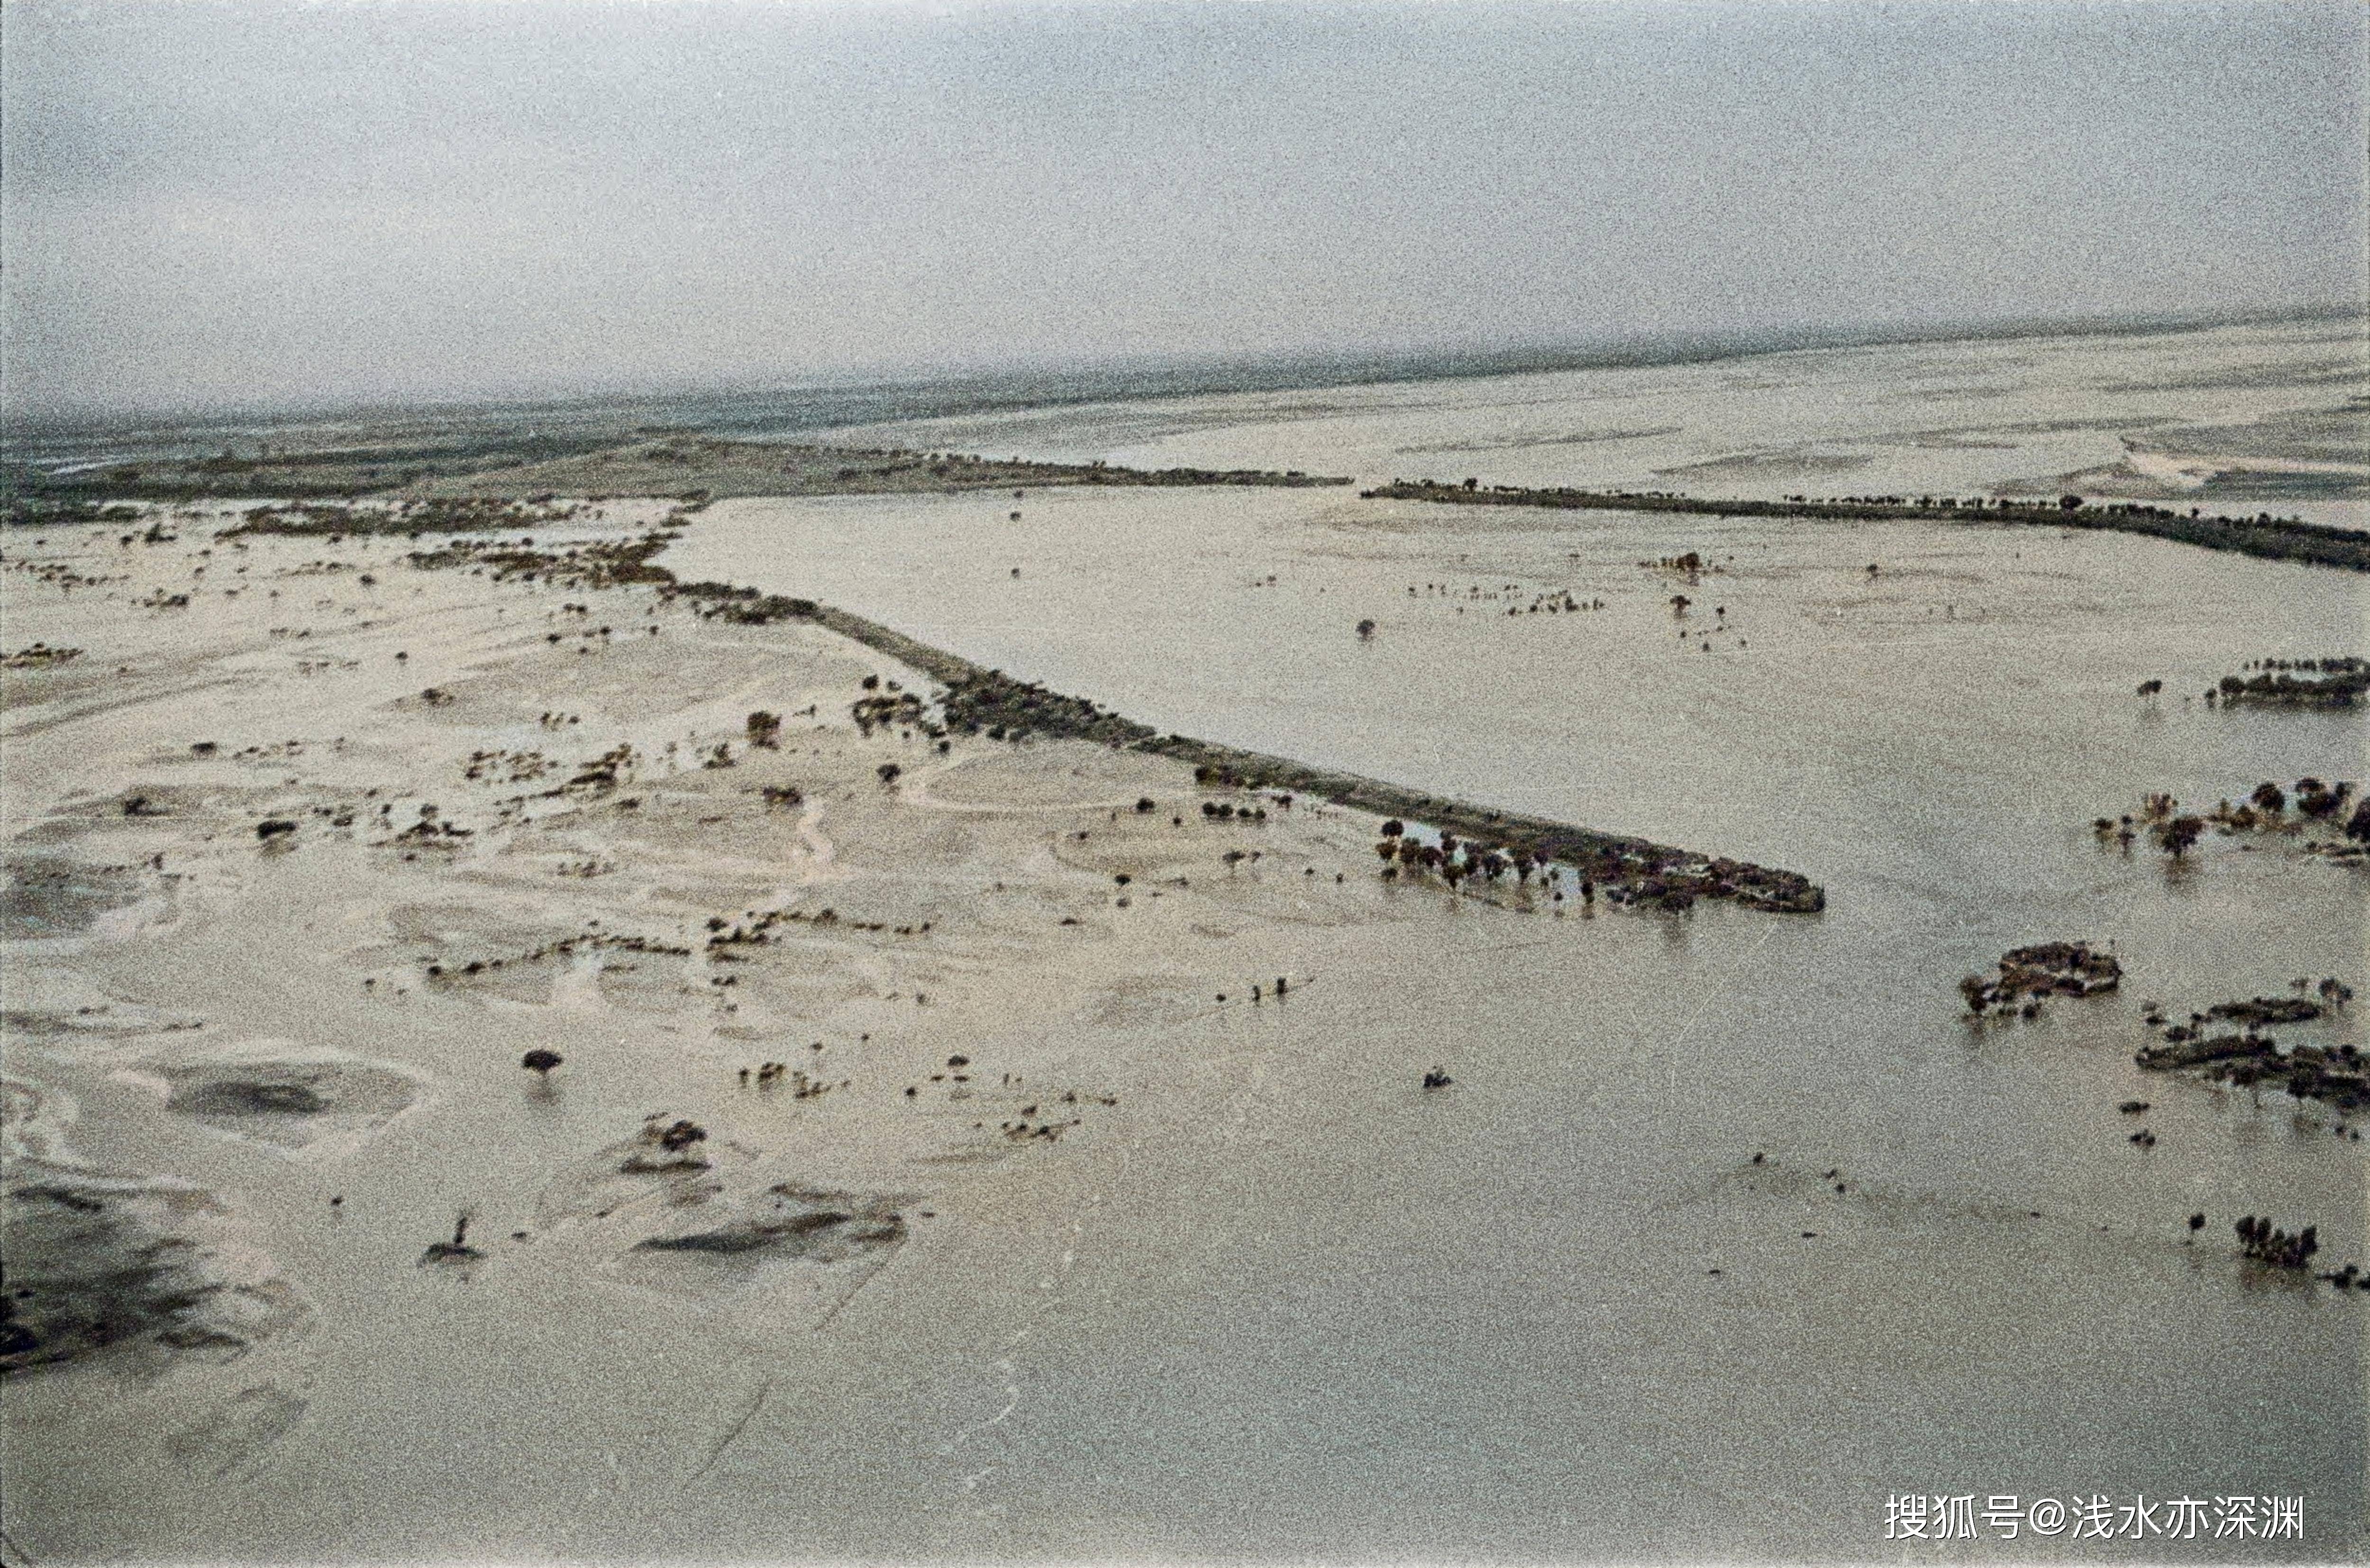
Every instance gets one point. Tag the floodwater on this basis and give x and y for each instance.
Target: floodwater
(1302, 1310)
(2257, 417)
(1325, 1325)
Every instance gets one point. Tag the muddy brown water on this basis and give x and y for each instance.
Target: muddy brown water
(1344, 1319)
(1292, 1306)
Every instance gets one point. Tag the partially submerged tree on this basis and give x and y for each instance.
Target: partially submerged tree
(456, 1250)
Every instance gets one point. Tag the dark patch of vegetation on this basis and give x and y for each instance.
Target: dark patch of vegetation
(2264, 810)
(24, 509)
(465, 514)
(599, 564)
(323, 471)
(673, 1141)
(1005, 708)
(887, 710)
(738, 606)
(2298, 683)
(39, 656)
(2332, 1074)
(2266, 1009)
(2027, 974)
(2260, 1242)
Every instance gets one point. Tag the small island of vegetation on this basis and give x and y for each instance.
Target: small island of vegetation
(2298, 683)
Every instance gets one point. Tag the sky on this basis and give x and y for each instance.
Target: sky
(219, 203)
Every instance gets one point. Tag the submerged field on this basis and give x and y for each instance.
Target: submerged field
(1729, 1225)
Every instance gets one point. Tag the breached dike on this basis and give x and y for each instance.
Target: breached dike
(2273, 538)
(978, 699)
(1652, 872)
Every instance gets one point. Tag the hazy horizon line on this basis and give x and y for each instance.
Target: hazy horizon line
(1030, 382)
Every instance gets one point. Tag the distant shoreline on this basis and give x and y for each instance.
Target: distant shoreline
(856, 399)
(681, 466)
(2264, 536)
